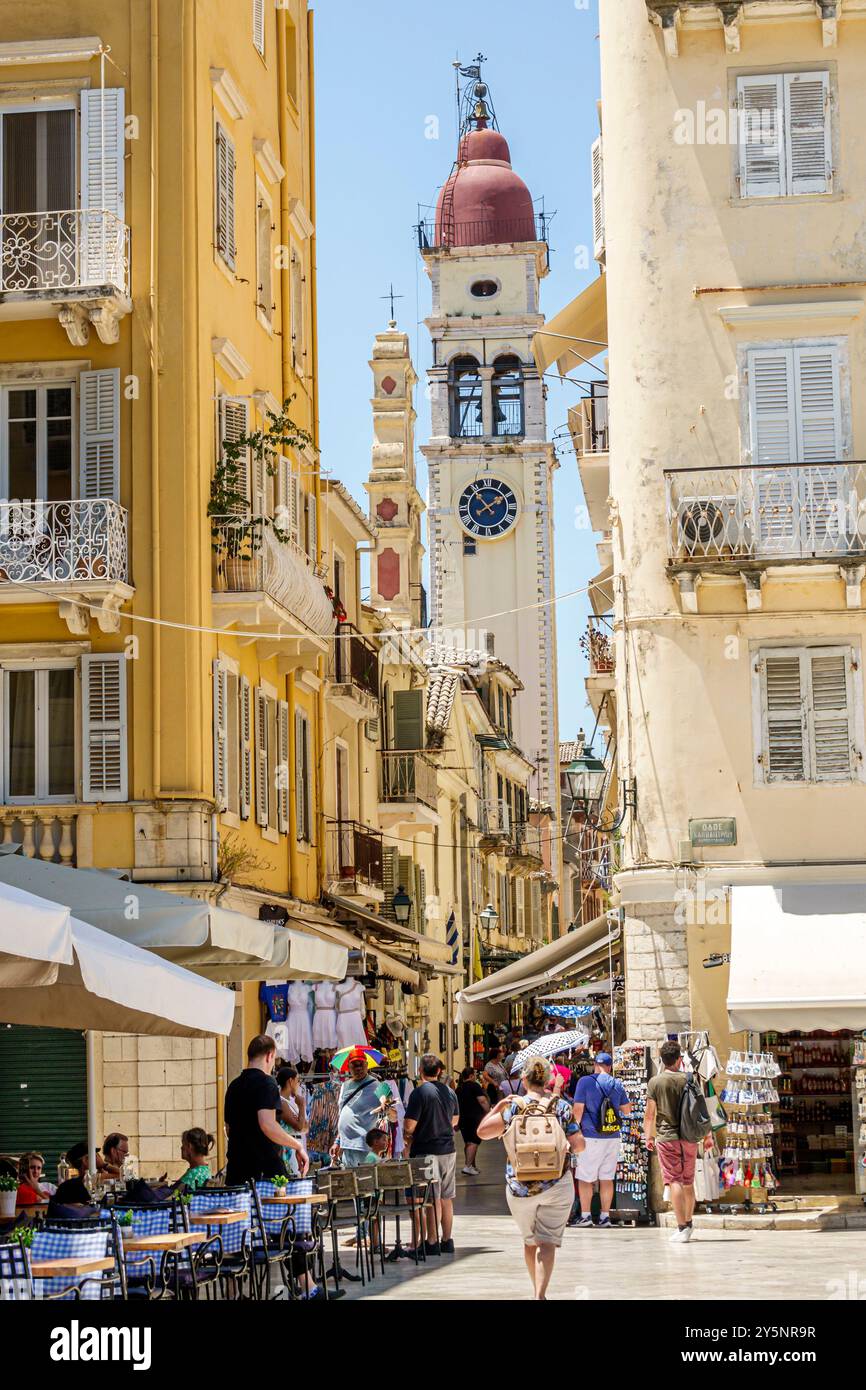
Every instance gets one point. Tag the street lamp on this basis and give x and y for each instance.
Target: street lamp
(586, 777)
(488, 917)
(402, 905)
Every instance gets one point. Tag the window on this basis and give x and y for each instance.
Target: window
(507, 396)
(296, 277)
(233, 414)
(38, 161)
(598, 220)
(806, 699)
(291, 60)
(408, 719)
(265, 305)
(784, 136)
(224, 200)
(233, 731)
(303, 778)
(259, 26)
(45, 453)
(467, 418)
(484, 289)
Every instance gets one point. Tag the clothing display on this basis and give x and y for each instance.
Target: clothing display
(280, 1034)
(859, 1089)
(300, 1043)
(325, 1017)
(631, 1064)
(350, 1014)
(276, 1000)
(396, 1129)
(323, 1112)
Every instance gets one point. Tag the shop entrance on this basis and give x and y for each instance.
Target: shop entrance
(819, 1147)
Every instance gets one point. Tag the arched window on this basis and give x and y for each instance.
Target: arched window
(465, 394)
(507, 396)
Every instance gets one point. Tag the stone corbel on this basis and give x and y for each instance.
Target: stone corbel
(852, 578)
(108, 613)
(105, 317)
(753, 583)
(73, 318)
(75, 616)
(668, 16)
(828, 13)
(731, 16)
(687, 583)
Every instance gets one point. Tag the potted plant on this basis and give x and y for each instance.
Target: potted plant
(236, 531)
(8, 1194)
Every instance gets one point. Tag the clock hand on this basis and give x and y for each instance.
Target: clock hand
(489, 506)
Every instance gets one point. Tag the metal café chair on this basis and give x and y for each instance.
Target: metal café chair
(81, 1240)
(396, 1176)
(340, 1185)
(369, 1199)
(16, 1278)
(281, 1239)
(144, 1271)
(421, 1198)
(231, 1248)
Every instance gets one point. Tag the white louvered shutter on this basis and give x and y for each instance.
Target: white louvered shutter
(103, 684)
(389, 881)
(819, 437)
(102, 184)
(220, 736)
(245, 721)
(99, 434)
(283, 776)
(598, 221)
(773, 428)
(761, 110)
(785, 692)
(233, 422)
(420, 894)
(224, 178)
(261, 756)
(830, 677)
(259, 25)
(312, 528)
(520, 913)
(808, 138)
(537, 926)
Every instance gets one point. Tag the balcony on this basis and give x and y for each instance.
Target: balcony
(73, 551)
(495, 825)
(74, 264)
(528, 853)
(408, 791)
(49, 833)
(448, 234)
(590, 433)
(262, 582)
(355, 860)
(741, 521)
(353, 684)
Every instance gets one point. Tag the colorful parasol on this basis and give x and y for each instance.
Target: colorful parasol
(340, 1060)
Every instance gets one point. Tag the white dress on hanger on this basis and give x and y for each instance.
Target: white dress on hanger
(300, 1043)
(350, 1019)
(325, 1017)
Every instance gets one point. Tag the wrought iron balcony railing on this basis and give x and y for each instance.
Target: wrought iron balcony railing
(356, 660)
(408, 777)
(496, 819)
(356, 853)
(766, 512)
(597, 645)
(80, 541)
(592, 418)
(250, 559)
(52, 252)
(450, 232)
(527, 841)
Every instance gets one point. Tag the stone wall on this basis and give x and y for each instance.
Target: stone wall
(656, 971)
(154, 1089)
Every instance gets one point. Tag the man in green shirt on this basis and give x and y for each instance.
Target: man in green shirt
(661, 1129)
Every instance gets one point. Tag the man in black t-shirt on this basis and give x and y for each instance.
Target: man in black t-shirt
(432, 1116)
(252, 1107)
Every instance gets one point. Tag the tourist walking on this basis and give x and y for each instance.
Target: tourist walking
(540, 1135)
(494, 1074)
(661, 1128)
(363, 1103)
(600, 1102)
(252, 1111)
(473, 1105)
(432, 1115)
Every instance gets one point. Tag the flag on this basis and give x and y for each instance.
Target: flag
(452, 937)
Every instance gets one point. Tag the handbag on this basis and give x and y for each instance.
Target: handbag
(718, 1118)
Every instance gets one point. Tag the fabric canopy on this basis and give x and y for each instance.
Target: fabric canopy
(798, 957)
(427, 948)
(540, 967)
(58, 972)
(577, 332)
(210, 940)
(388, 964)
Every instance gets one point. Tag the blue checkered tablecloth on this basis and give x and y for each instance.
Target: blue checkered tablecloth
(146, 1221)
(302, 1214)
(212, 1199)
(93, 1243)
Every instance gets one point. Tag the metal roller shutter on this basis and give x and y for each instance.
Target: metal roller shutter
(43, 1091)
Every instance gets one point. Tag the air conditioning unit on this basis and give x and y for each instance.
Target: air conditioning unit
(371, 730)
(712, 526)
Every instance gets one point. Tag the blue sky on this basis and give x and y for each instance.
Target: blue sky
(382, 69)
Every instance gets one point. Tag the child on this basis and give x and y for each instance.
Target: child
(377, 1145)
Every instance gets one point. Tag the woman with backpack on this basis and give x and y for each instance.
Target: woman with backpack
(540, 1136)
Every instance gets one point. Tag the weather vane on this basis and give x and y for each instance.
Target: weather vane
(392, 296)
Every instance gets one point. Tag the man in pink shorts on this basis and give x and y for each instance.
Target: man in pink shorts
(661, 1132)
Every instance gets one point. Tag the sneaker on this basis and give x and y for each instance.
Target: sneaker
(432, 1247)
(604, 1223)
(447, 1247)
(681, 1237)
(688, 1233)
(584, 1221)
(470, 1170)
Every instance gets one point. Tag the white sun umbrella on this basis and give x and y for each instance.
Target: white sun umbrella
(549, 1044)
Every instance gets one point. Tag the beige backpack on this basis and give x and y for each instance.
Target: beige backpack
(535, 1141)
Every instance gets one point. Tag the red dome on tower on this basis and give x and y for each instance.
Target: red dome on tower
(484, 202)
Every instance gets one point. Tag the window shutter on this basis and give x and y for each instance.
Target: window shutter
(233, 742)
(99, 434)
(224, 231)
(259, 25)
(520, 915)
(419, 892)
(598, 221)
(784, 716)
(389, 882)
(297, 305)
(246, 747)
(283, 767)
(261, 736)
(103, 150)
(233, 420)
(809, 155)
(761, 102)
(409, 719)
(773, 430)
(312, 528)
(406, 878)
(103, 681)
(220, 736)
(831, 705)
(819, 423)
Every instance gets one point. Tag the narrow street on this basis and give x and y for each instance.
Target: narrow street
(624, 1263)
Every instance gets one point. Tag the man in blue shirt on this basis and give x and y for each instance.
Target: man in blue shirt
(597, 1163)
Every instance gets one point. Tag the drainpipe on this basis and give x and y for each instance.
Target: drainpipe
(291, 699)
(320, 773)
(220, 1090)
(153, 295)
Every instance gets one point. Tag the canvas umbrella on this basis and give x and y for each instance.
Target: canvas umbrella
(549, 1044)
(340, 1060)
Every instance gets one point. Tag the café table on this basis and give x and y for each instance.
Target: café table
(54, 1269)
(172, 1241)
(219, 1218)
(314, 1199)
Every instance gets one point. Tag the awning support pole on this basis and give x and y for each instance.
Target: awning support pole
(90, 1051)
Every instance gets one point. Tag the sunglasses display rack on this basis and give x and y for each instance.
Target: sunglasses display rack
(631, 1067)
(858, 1088)
(747, 1159)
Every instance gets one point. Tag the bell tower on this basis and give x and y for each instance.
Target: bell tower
(490, 465)
(396, 506)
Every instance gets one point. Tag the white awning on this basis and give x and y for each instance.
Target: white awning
(539, 968)
(798, 957)
(577, 333)
(58, 972)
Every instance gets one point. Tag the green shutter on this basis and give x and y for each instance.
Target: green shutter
(389, 882)
(43, 1092)
(409, 719)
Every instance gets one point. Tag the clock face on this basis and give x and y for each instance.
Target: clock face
(487, 508)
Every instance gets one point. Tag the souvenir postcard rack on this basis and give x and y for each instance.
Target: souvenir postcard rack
(631, 1067)
(747, 1162)
(858, 1085)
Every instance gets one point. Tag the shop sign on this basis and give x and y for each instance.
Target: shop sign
(713, 832)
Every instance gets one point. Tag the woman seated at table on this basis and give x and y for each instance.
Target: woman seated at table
(32, 1188)
(195, 1146)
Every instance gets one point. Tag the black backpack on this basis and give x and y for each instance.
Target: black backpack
(694, 1118)
(609, 1122)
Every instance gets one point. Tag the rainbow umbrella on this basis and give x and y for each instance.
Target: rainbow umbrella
(340, 1060)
